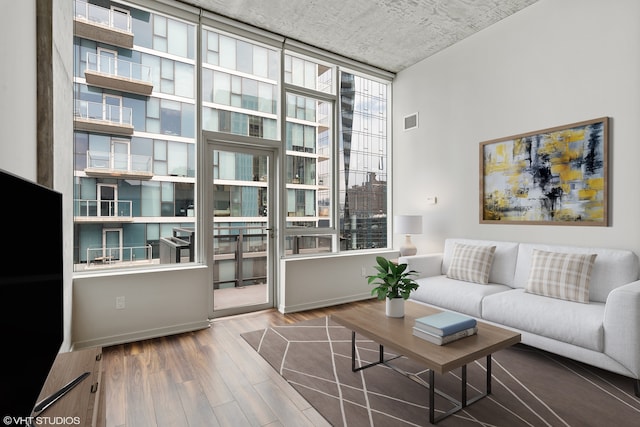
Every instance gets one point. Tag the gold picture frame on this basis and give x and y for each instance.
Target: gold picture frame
(555, 176)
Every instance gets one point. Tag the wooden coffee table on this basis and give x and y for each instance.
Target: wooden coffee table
(397, 333)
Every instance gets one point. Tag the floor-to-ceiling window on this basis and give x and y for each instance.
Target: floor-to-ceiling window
(336, 163)
(135, 137)
(149, 82)
(362, 177)
(310, 96)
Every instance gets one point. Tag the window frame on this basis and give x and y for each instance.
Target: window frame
(388, 144)
(331, 97)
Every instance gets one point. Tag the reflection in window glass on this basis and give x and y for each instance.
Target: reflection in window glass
(363, 163)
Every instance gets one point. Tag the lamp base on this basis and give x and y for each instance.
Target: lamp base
(408, 248)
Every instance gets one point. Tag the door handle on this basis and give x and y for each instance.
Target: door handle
(271, 232)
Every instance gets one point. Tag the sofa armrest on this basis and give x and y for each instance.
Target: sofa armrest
(621, 331)
(426, 265)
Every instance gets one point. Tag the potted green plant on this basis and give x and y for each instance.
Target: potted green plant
(393, 283)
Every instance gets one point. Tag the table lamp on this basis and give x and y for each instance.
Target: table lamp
(408, 225)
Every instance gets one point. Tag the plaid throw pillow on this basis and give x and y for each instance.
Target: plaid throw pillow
(471, 263)
(561, 275)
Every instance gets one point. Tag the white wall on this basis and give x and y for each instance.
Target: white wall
(309, 283)
(554, 63)
(157, 303)
(18, 122)
(18, 111)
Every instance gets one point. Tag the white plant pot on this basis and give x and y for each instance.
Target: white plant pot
(395, 307)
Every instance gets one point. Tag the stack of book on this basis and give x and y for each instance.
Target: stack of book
(444, 327)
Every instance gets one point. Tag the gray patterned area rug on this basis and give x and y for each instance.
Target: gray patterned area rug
(529, 387)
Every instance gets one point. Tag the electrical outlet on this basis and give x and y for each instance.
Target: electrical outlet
(119, 303)
(432, 200)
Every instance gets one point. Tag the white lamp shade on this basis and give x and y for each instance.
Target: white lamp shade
(408, 224)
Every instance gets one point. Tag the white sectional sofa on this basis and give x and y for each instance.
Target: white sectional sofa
(603, 331)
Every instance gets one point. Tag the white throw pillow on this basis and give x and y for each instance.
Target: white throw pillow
(471, 263)
(561, 275)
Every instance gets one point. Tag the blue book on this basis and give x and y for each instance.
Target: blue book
(445, 323)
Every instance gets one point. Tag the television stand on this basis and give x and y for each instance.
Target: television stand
(52, 399)
(82, 401)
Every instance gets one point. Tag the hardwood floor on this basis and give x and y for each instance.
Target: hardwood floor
(210, 377)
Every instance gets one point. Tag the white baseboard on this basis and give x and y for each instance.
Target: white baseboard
(141, 335)
(322, 304)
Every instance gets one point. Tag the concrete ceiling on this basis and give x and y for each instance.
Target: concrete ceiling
(388, 34)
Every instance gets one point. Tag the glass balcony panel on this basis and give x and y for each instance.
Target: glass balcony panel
(103, 25)
(98, 14)
(114, 255)
(102, 208)
(116, 19)
(100, 111)
(307, 245)
(104, 163)
(110, 72)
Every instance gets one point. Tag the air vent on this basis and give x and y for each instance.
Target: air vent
(411, 121)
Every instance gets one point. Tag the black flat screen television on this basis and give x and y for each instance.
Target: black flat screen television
(31, 291)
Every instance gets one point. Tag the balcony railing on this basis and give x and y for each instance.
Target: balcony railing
(96, 111)
(236, 246)
(178, 248)
(103, 16)
(104, 163)
(118, 67)
(117, 74)
(118, 256)
(102, 209)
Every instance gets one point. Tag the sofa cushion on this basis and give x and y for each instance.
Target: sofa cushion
(504, 258)
(561, 275)
(471, 263)
(566, 321)
(612, 268)
(456, 295)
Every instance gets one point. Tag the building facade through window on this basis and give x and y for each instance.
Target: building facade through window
(148, 84)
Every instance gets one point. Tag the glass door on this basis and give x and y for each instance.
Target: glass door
(120, 155)
(107, 61)
(112, 108)
(243, 231)
(107, 197)
(112, 245)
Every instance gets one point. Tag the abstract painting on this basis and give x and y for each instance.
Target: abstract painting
(555, 176)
